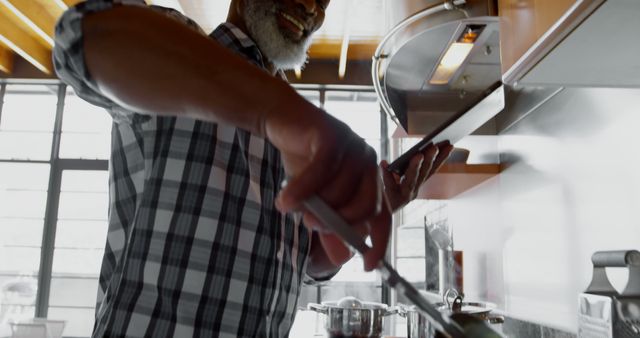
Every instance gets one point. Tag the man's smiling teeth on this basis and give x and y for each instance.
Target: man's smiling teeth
(293, 21)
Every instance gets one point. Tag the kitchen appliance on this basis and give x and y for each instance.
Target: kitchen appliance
(602, 311)
(351, 317)
(442, 68)
(443, 323)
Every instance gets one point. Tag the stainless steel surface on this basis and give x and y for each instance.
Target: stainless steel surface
(593, 45)
(420, 327)
(603, 312)
(363, 320)
(442, 323)
(336, 223)
(409, 54)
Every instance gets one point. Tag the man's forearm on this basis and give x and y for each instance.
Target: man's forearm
(319, 265)
(151, 63)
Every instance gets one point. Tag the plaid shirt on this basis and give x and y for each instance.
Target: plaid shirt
(195, 246)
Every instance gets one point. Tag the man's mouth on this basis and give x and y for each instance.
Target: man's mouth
(292, 24)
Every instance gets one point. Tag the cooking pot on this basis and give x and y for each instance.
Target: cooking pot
(462, 312)
(353, 318)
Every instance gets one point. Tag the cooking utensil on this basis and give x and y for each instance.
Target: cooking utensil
(335, 222)
(350, 317)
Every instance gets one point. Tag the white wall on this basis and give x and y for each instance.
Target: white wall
(571, 187)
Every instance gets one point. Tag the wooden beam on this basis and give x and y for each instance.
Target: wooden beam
(72, 2)
(17, 37)
(330, 49)
(39, 15)
(6, 60)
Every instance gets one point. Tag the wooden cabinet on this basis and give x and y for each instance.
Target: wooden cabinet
(456, 178)
(523, 22)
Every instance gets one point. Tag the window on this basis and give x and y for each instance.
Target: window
(85, 130)
(81, 234)
(43, 193)
(27, 115)
(359, 109)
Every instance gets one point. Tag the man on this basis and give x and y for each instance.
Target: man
(201, 240)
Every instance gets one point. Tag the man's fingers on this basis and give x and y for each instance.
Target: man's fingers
(445, 149)
(429, 154)
(388, 177)
(411, 174)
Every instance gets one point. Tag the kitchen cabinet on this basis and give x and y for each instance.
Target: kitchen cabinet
(523, 22)
(455, 178)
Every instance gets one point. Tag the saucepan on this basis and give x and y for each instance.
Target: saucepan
(420, 327)
(353, 318)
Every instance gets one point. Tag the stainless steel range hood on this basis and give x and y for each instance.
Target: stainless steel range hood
(595, 44)
(438, 65)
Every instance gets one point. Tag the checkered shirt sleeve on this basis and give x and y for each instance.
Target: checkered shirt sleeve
(195, 246)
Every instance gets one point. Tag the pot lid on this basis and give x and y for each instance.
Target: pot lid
(354, 303)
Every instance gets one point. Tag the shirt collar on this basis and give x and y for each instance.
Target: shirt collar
(230, 36)
(235, 39)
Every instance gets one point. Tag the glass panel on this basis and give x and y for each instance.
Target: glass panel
(79, 248)
(24, 176)
(412, 269)
(79, 321)
(26, 126)
(81, 116)
(25, 145)
(312, 96)
(83, 206)
(85, 181)
(22, 204)
(360, 111)
(23, 193)
(410, 243)
(86, 130)
(85, 146)
(28, 108)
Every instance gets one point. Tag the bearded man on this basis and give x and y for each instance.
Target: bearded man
(202, 241)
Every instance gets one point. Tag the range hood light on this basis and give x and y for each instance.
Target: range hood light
(456, 55)
(451, 61)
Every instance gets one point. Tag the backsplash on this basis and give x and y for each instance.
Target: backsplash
(570, 187)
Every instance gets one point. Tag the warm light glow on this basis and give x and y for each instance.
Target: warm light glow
(456, 54)
(298, 72)
(451, 61)
(61, 4)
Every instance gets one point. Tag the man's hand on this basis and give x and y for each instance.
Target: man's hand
(324, 157)
(402, 190)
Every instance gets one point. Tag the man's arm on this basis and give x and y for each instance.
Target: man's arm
(150, 63)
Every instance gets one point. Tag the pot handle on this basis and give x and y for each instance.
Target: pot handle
(317, 308)
(495, 319)
(402, 310)
(392, 311)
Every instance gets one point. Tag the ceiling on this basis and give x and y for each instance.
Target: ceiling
(351, 31)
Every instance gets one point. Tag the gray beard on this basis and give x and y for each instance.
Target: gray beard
(283, 53)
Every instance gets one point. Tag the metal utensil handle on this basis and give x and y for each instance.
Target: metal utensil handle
(332, 220)
(620, 259)
(317, 308)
